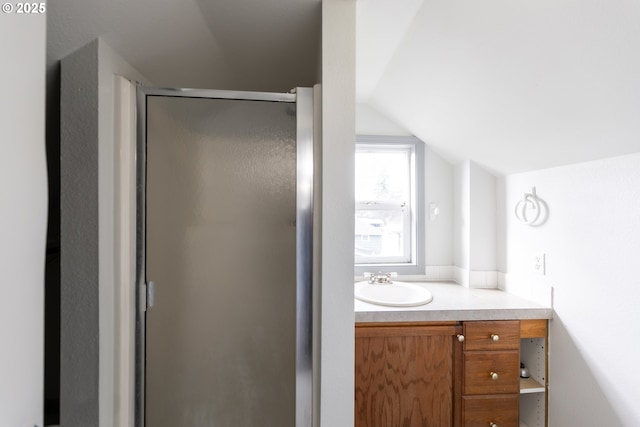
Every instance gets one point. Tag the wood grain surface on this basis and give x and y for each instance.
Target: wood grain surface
(478, 335)
(535, 328)
(480, 411)
(478, 366)
(404, 379)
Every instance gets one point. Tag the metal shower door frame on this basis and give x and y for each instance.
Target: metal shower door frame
(303, 98)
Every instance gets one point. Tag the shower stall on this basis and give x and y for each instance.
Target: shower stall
(224, 258)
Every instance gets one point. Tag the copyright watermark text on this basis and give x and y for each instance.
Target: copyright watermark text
(24, 8)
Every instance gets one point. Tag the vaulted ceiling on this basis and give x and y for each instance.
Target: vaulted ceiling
(512, 85)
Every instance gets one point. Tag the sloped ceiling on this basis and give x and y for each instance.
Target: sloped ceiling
(267, 45)
(511, 85)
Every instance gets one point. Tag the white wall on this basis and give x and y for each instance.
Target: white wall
(461, 214)
(482, 200)
(439, 230)
(592, 244)
(23, 218)
(474, 226)
(369, 121)
(338, 162)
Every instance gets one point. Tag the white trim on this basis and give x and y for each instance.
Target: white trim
(414, 246)
(124, 246)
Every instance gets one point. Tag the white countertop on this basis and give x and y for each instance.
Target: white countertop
(455, 302)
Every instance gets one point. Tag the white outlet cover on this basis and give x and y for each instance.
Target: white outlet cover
(538, 266)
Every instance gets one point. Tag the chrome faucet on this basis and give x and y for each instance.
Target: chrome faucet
(380, 278)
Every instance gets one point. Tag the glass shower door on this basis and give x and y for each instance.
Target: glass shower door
(222, 248)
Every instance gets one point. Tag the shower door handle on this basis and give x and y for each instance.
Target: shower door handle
(151, 290)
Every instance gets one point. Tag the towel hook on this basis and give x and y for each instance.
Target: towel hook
(529, 202)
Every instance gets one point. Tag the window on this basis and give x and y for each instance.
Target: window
(389, 220)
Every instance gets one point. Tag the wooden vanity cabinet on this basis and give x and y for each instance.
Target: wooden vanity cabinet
(491, 374)
(406, 375)
(460, 374)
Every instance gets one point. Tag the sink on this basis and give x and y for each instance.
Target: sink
(397, 294)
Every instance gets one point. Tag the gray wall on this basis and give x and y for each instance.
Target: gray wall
(87, 234)
(79, 332)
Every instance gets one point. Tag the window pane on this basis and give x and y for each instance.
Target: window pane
(380, 233)
(382, 174)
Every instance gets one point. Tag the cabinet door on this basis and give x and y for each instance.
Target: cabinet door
(404, 376)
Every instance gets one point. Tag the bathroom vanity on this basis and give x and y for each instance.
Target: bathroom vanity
(455, 361)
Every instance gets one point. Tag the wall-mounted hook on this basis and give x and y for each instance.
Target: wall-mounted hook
(528, 209)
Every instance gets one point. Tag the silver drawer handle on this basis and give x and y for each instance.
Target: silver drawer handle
(460, 337)
(495, 337)
(494, 375)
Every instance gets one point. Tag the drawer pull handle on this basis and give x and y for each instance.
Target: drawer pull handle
(495, 337)
(493, 425)
(494, 376)
(460, 337)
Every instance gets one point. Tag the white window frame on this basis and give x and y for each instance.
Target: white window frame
(414, 224)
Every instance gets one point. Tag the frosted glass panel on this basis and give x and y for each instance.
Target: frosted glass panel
(221, 248)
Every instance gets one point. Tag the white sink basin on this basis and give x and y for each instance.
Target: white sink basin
(398, 294)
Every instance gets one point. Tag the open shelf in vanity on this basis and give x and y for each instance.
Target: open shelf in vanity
(533, 390)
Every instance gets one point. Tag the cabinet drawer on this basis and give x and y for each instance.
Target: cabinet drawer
(480, 367)
(481, 411)
(492, 335)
